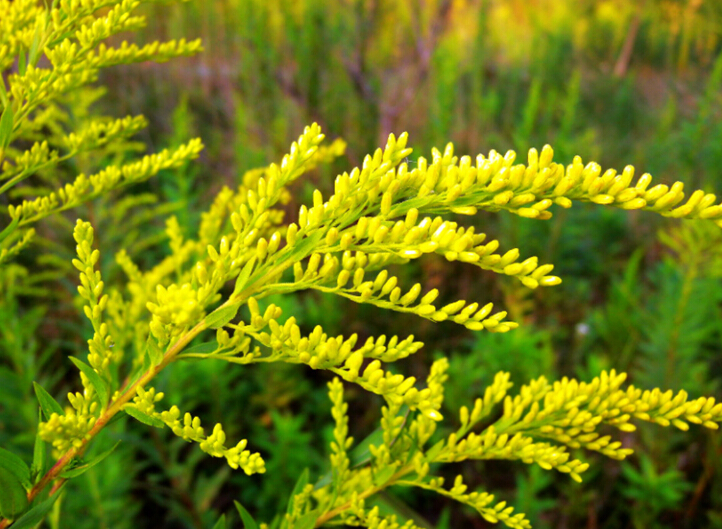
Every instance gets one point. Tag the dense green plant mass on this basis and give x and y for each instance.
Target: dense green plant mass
(187, 307)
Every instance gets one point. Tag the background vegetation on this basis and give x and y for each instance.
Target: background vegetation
(615, 81)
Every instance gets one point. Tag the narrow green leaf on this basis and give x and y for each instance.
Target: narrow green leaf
(83, 468)
(155, 353)
(276, 522)
(222, 315)
(301, 249)
(143, 417)
(243, 277)
(300, 484)
(307, 521)
(40, 26)
(114, 419)
(99, 384)
(9, 229)
(22, 63)
(146, 364)
(202, 348)
(7, 120)
(383, 475)
(15, 466)
(360, 455)
(248, 521)
(47, 403)
(13, 497)
(221, 523)
(36, 515)
(40, 455)
(3, 92)
(434, 451)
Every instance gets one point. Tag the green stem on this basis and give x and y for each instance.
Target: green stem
(370, 492)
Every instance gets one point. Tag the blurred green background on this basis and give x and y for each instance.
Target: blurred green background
(613, 81)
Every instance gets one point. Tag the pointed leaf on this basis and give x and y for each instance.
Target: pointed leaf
(40, 455)
(82, 469)
(13, 497)
(98, 383)
(243, 277)
(383, 475)
(360, 455)
(248, 521)
(202, 348)
(3, 93)
(9, 229)
(222, 315)
(143, 417)
(22, 63)
(7, 120)
(300, 484)
(40, 26)
(304, 247)
(36, 514)
(307, 521)
(155, 352)
(221, 523)
(47, 403)
(15, 466)
(434, 451)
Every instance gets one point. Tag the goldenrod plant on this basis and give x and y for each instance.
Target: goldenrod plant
(384, 213)
(48, 54)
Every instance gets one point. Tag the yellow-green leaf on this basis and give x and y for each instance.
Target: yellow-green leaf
(222, 315)
(100, 385)
(142, 416)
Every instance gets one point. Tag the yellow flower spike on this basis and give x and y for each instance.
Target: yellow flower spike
(655, 193)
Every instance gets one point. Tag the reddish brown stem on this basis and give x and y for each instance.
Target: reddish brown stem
(126, 395)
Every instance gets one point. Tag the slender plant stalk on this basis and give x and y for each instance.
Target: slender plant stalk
(126, 395)
(370, 492)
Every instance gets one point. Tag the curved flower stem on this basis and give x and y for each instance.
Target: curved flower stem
(370, 492)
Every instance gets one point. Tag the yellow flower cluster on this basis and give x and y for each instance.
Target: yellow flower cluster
(341, 441)
(176, 307)
(491, 445)
(335, 354)
(23, 240)
(493, 394)
(570, 411)
(67, 431)
(566, 411)
(495, 183)
(91, 290)
(112, 177)
(190, 429)
(373, 519)
(17, 25)
(383, 291)
(480, 501)
(38, 97)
